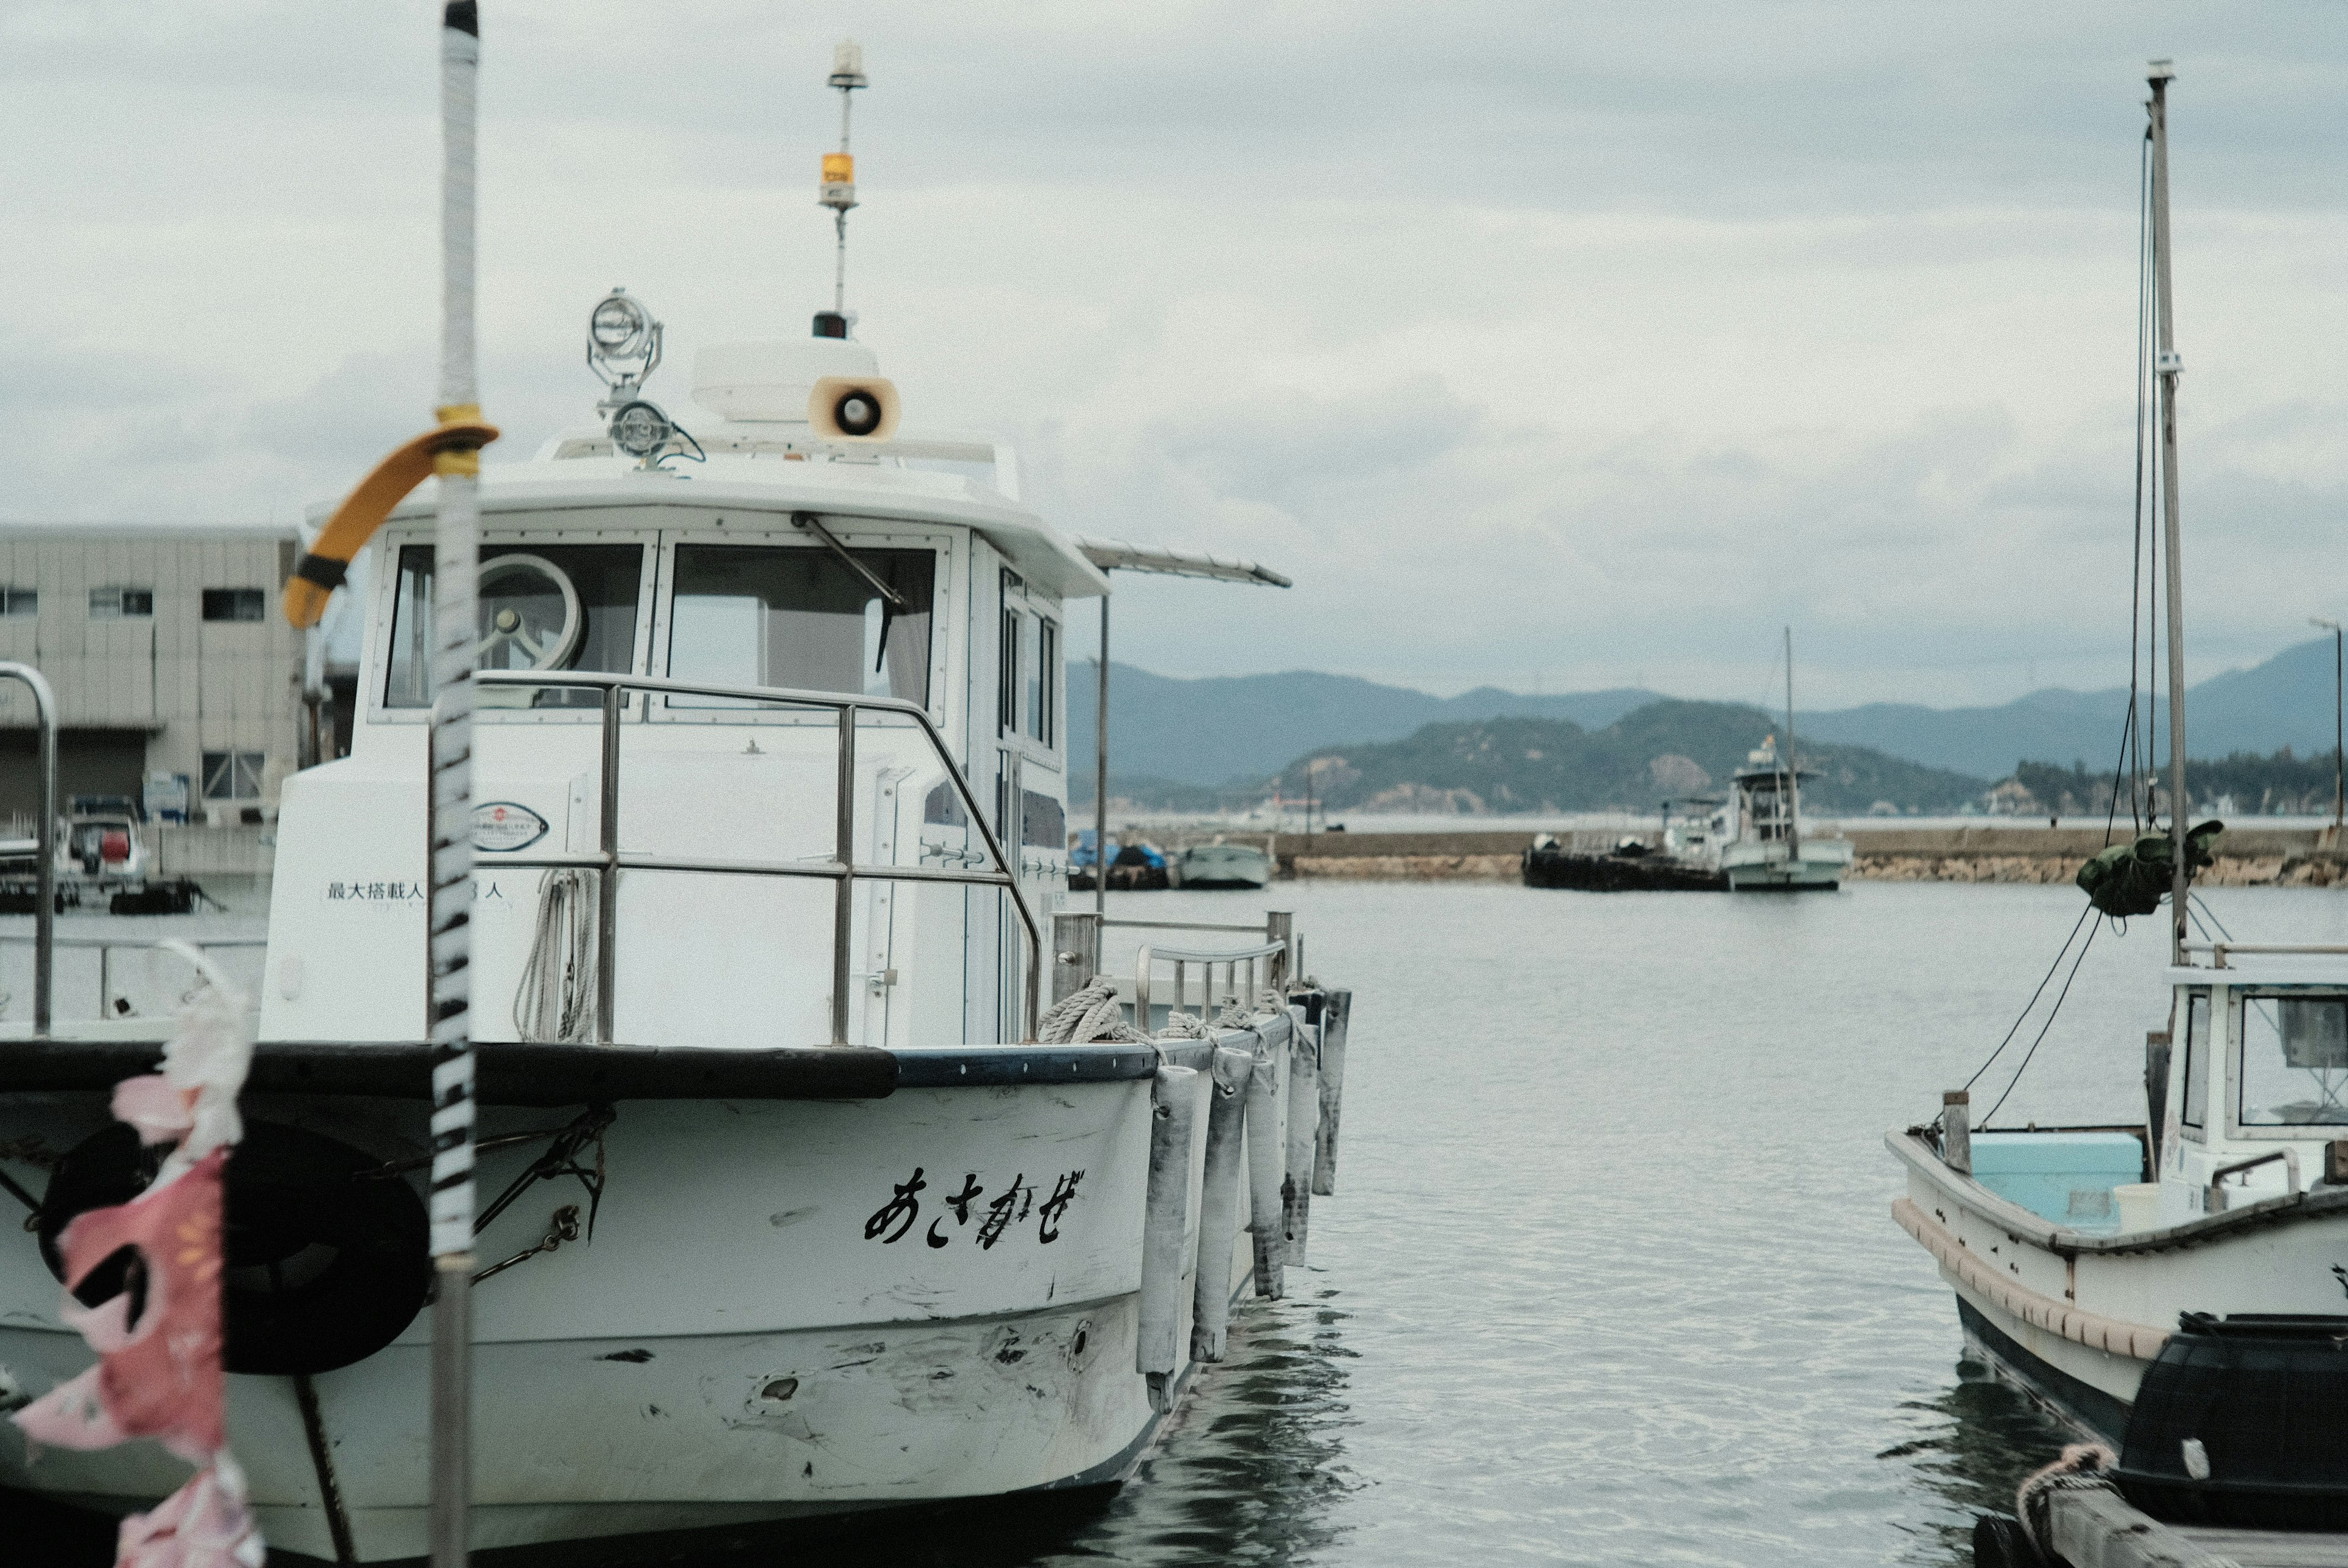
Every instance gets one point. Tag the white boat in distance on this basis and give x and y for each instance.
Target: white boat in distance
(1220, 865)
(1764, 845)
(782, 1225)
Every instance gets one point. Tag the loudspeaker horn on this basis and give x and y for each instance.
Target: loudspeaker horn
(860, 408)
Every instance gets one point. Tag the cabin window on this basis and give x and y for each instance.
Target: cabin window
(526, 618)
(943, 806)
(2197, 1060)
(1040, 704)
(1006, 701)
(1027, 682)
(232, 604)
(746, 615)
(1043, 824)
(2294, 1061)
(20, 601)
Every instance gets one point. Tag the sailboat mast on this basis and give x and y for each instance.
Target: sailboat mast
(2168, 366)
(1793, 765)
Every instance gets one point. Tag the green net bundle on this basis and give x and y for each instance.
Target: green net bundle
(2133, 878)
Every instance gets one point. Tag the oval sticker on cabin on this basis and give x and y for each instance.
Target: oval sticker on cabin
(500, 826)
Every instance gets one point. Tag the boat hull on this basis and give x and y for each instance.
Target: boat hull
(2076, 1320)
(1767, 868)
(783, 1314)
(1212, 867)
(1619, 873)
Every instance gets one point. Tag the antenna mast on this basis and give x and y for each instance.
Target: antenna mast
(839, 188)
(2166, 367)
(1793, 800)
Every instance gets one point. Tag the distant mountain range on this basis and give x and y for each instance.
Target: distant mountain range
(1659, 750)
(1235, 729)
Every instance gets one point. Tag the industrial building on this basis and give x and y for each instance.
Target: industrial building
(177, 682)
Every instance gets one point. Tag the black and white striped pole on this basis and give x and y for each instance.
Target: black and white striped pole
(455, 584)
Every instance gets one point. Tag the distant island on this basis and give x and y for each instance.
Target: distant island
(1231, 743)
(1233, 730)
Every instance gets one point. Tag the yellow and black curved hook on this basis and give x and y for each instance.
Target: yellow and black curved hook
(454, 448)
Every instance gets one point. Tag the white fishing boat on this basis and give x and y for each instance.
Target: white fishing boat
(803, 1204)
(2173, 1282)
(1765, 845)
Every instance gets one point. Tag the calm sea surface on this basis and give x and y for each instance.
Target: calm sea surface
(1610, 1275)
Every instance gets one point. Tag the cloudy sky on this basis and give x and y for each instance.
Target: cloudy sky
(1543, 344)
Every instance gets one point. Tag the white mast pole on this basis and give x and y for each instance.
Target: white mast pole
(2167, 364)
(1100, 782)
(455, 583)
(1793, 771)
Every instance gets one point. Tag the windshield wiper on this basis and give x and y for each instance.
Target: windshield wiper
(891, 602)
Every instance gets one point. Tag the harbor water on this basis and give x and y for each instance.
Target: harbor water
(1610, 1277)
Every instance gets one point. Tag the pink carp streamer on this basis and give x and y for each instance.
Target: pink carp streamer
(160, 1374)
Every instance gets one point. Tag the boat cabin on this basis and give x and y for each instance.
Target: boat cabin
(664, 837)
(2256, 1084)
(1762, 805)
(2249, 1092)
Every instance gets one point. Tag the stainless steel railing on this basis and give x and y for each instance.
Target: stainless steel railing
(2214, 1199)
(45, 875)
(2220, 951)
(842, 870)
(1269, 963)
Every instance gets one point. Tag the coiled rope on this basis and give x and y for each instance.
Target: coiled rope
(555, 1001)
(1095, 1014)
(1086, 1015)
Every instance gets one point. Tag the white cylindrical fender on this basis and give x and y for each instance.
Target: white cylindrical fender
(1303, 1121)
(1336, 1009)
(1266, 1149)
(1219, 1201)
(1165, 1226)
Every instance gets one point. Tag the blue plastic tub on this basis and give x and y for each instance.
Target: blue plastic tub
(2065, 1177)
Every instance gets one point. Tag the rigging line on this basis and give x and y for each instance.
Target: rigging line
(2120, 771)
(2194, 916)
(2052, 1013)
(1770, 688)
(18, 1192)
(2023, 1015)
(2211, 912)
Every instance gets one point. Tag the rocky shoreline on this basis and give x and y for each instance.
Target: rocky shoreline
(2250, 857)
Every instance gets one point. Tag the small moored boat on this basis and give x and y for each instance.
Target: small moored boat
(1687, 860)
(2172, 1282)
(1220, 865)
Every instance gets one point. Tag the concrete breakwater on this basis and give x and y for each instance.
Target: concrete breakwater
(2248, 856)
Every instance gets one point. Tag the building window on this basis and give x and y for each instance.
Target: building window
(20, 601)
(231, 604)
(108, 602)
(233, 775)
